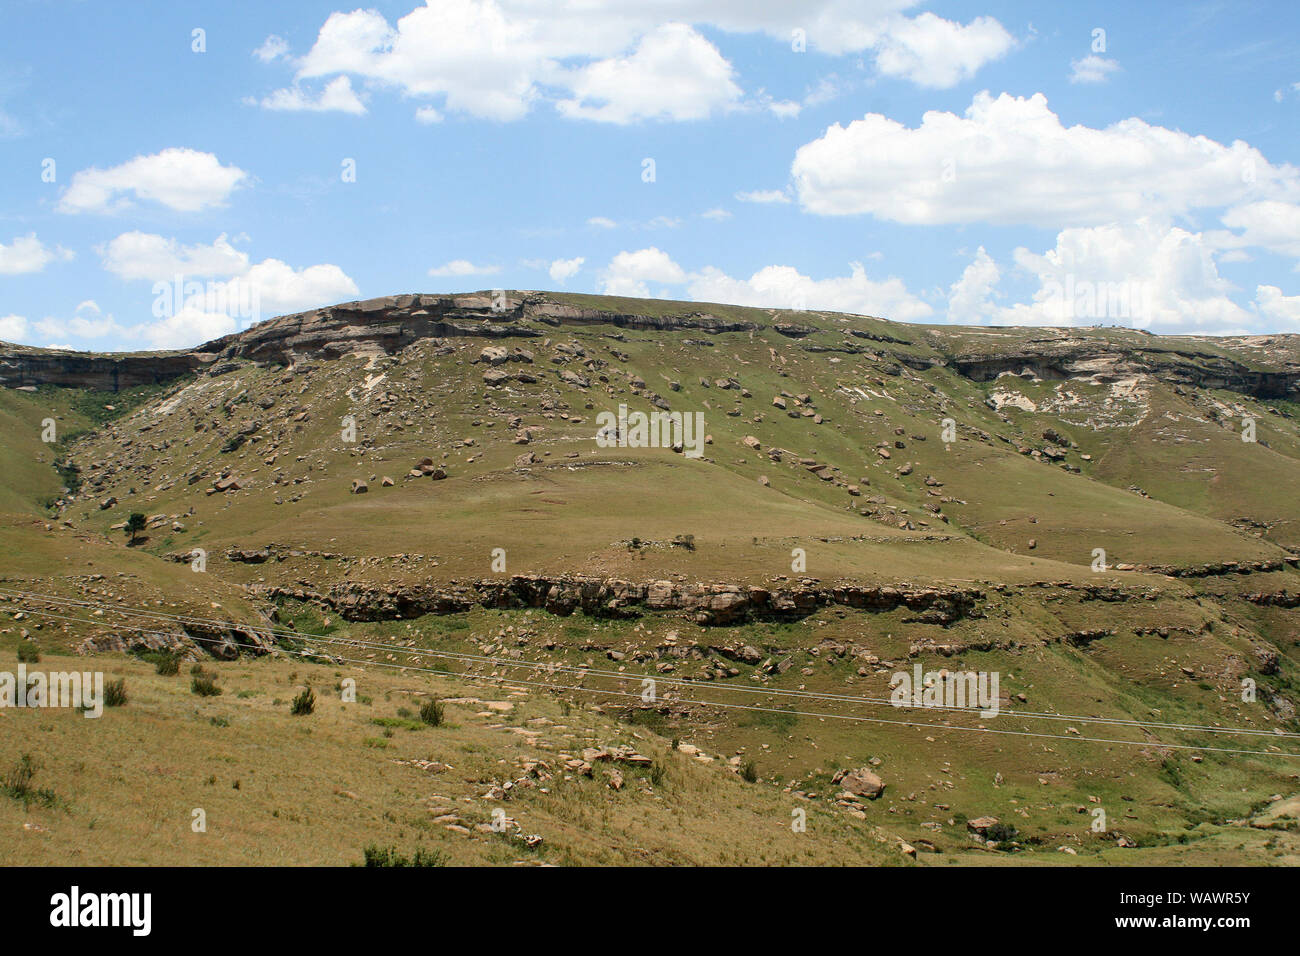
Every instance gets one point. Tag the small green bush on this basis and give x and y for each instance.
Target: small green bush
(432, 712)
(304, 703)
(115, 693)
(389, 856)
(205, 685)
(28, 652)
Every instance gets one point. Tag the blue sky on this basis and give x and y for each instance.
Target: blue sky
(979, 163)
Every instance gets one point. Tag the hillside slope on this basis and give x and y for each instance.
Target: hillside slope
(417, 482)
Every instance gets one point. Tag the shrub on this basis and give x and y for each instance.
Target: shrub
(657, 773)
(205, 685)
(28, 652)
(304, 703)
(432, 712)
(167, 664)
(17, 782)
(389, 856)
(749, 772)
(115, 693)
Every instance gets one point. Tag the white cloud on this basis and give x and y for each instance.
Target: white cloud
(621, 62)
(28, 254)
(189, 327)
(628, 272)
(562, 270)
(1268, 224)
(202, 291)
(1273, 305)
(601, 222)
(1092, 69)
(763, 196)
(1141, 275)
(1009, 160)
(938, 54)
(12, 328)
(88, 322)
(674, 73)
(272, 48)
(427, 115)
(337, 96)
(182, 179)
(784, 109)
(970, 298)
(784, 287)
(463, 267)
(781, 287)
(717, 213)
(283, 289)
(466, 51)
(217, 308)
(140, 255)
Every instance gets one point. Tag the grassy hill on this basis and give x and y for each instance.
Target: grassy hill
(1072, 509)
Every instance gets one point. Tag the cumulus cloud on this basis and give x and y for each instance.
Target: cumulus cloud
(1268, 224)
(185, 180)
(1009, 160)
(784, 287)
(1092, 69)
(674, 73)
(463, 267)
(937, 53)
(562, 270)
(629, 272)
(13, 328)
(198, 312)
(780, 287)
(140, 255)
(337, 96)
(203, 290)
(970, 298)
(191, 326)
(1278, 308)
(1141, 275)
(623, 62)
(88, 322)
(28, 254)
(283, 289)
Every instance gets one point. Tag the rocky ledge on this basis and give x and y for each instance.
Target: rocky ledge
(706, 604)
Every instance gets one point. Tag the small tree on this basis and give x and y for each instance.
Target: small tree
(134, 525)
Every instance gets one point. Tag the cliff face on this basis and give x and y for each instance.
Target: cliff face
(1265, 367)
(22, 367)
(394, 322)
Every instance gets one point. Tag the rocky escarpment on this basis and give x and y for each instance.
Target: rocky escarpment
(391, 323)
(1265, 367)
(22, 367)
(707, 604)
(1077, 357)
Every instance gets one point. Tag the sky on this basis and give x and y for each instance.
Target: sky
(173, 172)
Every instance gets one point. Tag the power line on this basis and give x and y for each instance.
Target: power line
(730, 705)
(619, 675)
